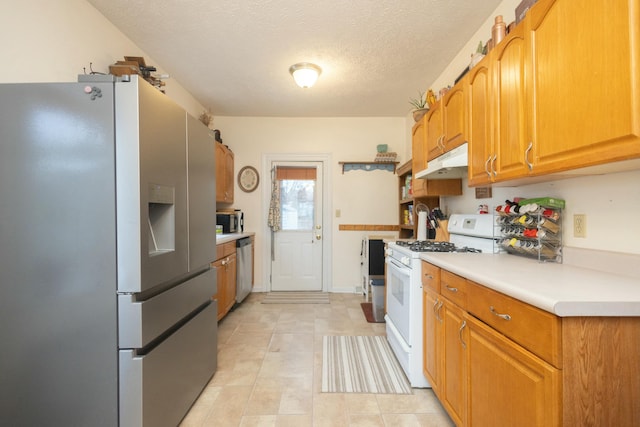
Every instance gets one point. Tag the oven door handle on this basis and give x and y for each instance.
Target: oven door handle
(402, 269)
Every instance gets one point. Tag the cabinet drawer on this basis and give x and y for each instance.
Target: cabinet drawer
(454, 288)
(225, 249)
(172, 374)
(430, 276)
(532, 328)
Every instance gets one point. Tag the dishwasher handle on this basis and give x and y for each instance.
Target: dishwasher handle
(246, 241)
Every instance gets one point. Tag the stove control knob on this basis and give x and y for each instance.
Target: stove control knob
(405, 260)
(388, 252)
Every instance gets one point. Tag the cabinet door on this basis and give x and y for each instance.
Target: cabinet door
(479, 123)
(508, 386)
(419, 159)
(453, 389)
(454, 116)
(434, 132)
(585, 80)
(220, 296)
(510, 142)
(230, 272)
(224, 174)
(229, 178)
(431, 337)
(221, 177)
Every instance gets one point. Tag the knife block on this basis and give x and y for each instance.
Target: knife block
(442, 235)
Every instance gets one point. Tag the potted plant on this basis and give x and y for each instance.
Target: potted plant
(420, 107)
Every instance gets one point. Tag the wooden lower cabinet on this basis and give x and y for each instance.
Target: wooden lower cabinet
(509, 386)
(601, 371)
(454, 362)
(493, 360)
(431, 339)
(445, 359)
(225, 267)
(230, 282)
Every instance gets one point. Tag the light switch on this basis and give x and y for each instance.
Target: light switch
(338, 213)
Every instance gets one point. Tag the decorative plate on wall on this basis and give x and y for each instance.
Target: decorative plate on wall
(248, 179)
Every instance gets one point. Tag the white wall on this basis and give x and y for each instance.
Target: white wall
(52, 41)
(611, 203)
(362, 197)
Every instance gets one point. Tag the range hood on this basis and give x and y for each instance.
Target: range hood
(452, 164)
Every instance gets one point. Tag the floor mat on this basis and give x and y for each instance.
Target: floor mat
(361, 364)
(309, 297)
(367, 309)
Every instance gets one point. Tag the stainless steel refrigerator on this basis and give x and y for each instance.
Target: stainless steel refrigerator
(107, 231)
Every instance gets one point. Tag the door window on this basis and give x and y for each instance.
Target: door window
(297, 197)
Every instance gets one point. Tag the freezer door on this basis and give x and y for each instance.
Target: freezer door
(140, 322)
(151, 182)
(202, 194)
(58, 362)
(172, 375)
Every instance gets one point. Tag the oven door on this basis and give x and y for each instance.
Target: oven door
(398, 296)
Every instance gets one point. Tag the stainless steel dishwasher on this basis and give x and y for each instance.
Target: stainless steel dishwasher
(244, 255)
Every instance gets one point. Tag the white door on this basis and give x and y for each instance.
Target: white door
(297, 258)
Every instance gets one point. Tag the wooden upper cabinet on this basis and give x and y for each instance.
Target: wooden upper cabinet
(229, 172)
(584, 76)
(419, 159)
(563, 93)
(509, 139)
(454, 116)
(224, 174)
(445, 122)
(434, 131)
(479, 123)
(418, 136)
(424, 187)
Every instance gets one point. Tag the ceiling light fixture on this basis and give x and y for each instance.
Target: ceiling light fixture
(305, 73)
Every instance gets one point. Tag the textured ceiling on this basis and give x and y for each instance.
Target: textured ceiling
(234, 55)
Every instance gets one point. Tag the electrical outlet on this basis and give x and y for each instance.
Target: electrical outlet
(579, 225)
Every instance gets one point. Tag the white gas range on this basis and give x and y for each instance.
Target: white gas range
(468, 233)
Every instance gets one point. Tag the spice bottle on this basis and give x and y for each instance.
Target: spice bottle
(499, 30)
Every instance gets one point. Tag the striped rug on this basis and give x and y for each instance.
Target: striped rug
(309, 297)
(363, 364)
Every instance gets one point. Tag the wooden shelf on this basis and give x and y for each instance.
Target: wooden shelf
(368, 166)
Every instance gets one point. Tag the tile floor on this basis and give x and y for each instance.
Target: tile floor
(270, 368)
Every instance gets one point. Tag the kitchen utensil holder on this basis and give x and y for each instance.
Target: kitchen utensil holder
(535, 233)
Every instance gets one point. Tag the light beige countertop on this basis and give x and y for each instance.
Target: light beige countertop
(561, 289)
(224, 238)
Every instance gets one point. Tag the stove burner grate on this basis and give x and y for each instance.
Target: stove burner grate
(431, 246)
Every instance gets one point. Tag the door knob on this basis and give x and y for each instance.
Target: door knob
(318, 236)
(318, 227)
